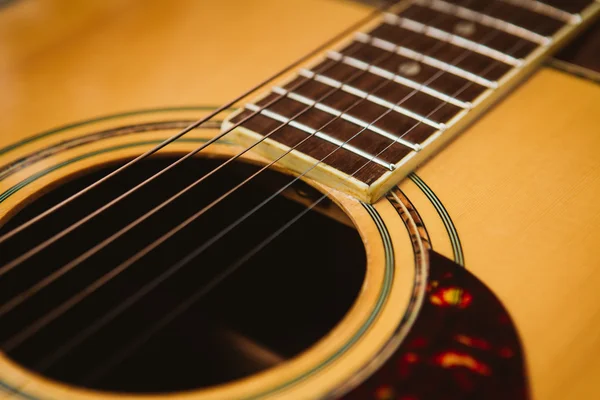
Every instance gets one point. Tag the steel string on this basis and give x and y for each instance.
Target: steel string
(201, 121)
(20, 298)
(132, 346)
(466, 53)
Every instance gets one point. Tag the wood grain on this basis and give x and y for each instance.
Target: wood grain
(526, 198)
(64, 61)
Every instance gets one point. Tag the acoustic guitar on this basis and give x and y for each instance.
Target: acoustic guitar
(299, 199)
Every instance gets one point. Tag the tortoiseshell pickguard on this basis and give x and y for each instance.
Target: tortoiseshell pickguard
(463, 346)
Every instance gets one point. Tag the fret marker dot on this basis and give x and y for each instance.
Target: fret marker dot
(409, 68)
(464, 28)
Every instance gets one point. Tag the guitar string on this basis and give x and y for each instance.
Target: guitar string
(36, 249)
(23, 296)
(131, 347)
(55, 275)
(23, 257)
(53, 239)
(61, 271)
(326, 45)
(200, 296)
(359, 132)
(443, 103)
(65, 306)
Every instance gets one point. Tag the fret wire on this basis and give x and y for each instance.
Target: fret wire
(425, 59)
(346, 117)
(361, 93)
(319, 106)
(451, 38)
(547, 9)
(354, 62)
(375, 99)
(303, 99)
(483, 19)
(349, 118)
(365, 125)
(320, 135)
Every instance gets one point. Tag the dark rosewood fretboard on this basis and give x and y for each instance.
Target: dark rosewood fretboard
(369, 112)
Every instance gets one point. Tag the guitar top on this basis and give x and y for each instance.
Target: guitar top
(402, 205)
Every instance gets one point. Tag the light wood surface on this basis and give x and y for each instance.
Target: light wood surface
(66, 60)
(521, 185)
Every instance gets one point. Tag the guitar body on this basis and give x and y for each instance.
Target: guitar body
(513, 200)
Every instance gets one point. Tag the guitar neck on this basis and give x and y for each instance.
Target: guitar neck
(367, 113)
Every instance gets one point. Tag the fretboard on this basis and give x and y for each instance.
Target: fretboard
(367, 113)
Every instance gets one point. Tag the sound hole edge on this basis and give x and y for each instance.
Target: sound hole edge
(271, 310)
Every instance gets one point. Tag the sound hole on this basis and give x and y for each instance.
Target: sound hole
(278, 302)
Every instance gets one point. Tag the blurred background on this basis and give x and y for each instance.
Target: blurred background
(66, 60)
